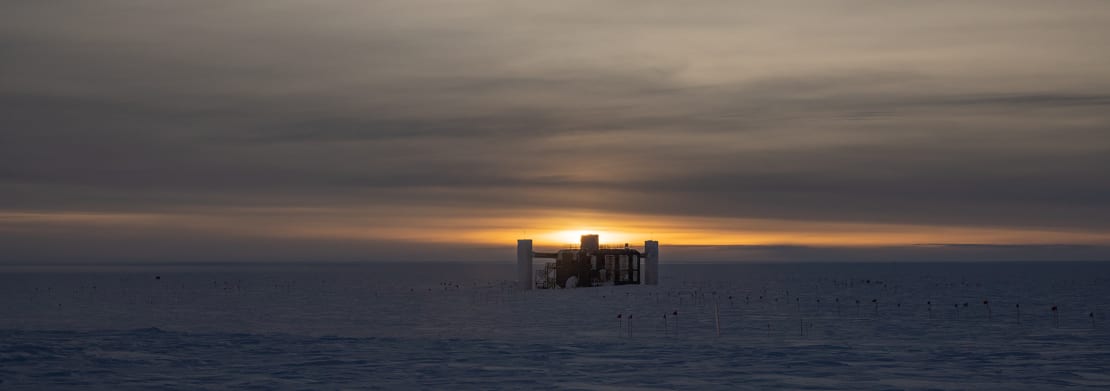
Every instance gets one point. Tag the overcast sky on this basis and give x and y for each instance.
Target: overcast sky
(442, 130)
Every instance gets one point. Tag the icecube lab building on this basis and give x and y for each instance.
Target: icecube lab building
(588, 265)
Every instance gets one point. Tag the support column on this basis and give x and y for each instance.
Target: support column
(524, 274)
(651, 263)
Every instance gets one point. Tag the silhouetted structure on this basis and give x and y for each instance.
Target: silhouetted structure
(589, 265)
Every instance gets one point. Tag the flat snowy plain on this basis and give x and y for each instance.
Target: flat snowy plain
(461, 326)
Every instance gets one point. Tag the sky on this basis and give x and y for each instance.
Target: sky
(273, 130)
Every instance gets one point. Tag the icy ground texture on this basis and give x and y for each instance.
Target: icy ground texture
(448, 326)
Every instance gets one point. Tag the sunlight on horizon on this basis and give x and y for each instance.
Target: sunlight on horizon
(548, 229)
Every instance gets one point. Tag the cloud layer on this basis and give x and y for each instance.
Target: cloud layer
(976, 116)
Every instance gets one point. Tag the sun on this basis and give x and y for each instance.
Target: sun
(569, 236)
(573, 236)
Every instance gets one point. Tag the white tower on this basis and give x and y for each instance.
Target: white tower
(524, 264)
(651, 262)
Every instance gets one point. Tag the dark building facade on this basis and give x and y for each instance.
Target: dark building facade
(592, 265)
(588, 265)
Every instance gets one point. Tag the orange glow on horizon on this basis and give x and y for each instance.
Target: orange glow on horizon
(549, 229)
(558, 232)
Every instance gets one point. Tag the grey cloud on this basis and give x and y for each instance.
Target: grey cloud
(853, 111)
(1025, 100)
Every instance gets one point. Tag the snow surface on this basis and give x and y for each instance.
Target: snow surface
(462, 326)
